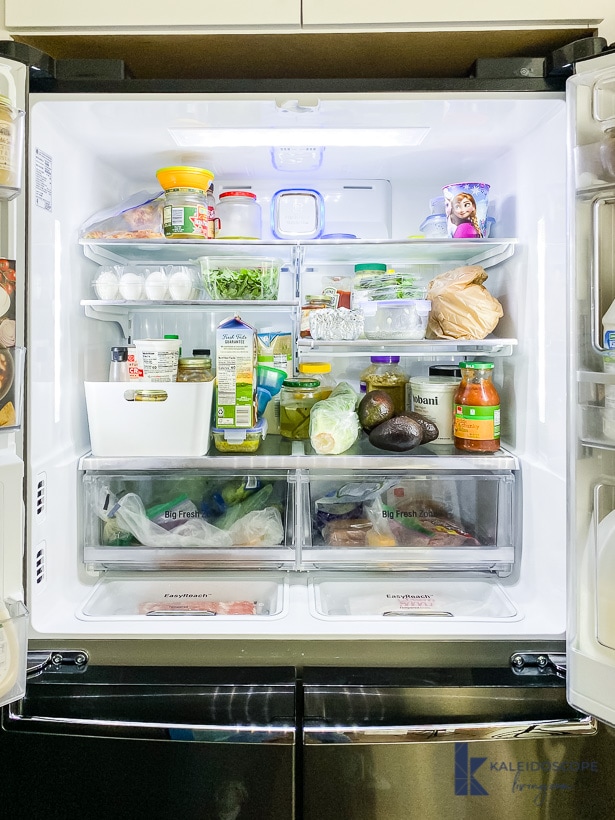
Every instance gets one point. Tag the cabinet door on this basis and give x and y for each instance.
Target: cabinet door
(37, 15)
(477, 13)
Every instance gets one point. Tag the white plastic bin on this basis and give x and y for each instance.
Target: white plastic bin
(178, 426)
(240, 596)
(13, 650)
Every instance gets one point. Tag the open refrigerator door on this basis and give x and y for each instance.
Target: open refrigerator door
(591, 438)
(13, 614)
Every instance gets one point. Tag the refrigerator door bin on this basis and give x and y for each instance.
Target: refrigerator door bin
(178, 425)
(400, 520)
(409, 595)
(603, 563)
(138, 597)
(12, 371)
(13, 650)
(189, 520)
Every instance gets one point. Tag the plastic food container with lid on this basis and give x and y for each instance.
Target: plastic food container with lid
(396, 319)
(239, 216)
(241, 278)
(245, 440)
(434, 226)
(297, 213)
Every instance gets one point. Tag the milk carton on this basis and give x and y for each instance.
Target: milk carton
(235, 374)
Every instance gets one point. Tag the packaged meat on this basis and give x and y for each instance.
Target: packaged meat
(139, 217)
(198, 608)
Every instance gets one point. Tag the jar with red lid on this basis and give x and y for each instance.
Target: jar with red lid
(238, 216)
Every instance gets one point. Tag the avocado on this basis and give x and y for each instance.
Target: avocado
(374, 408)
(398, 434)
(430, 430)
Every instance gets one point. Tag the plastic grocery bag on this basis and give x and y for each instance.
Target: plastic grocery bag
(334, 424)
(129, 514)
(138, 217)
(259, 528)
(461, 307)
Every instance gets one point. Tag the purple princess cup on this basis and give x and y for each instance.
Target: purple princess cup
(465, 206)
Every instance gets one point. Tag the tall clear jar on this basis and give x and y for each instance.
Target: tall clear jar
(185, 215)
(297, 397)
(320, 371)
(194, 369)
(238, 216)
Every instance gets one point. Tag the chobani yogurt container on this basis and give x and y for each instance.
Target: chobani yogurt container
(432, 397)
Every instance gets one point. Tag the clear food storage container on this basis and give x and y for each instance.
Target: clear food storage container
(240, 440)
(396, 319)
(241, 278)
(239, 216)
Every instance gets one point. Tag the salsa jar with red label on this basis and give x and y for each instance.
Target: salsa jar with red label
(476, 416)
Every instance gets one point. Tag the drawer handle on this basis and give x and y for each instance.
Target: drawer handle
(416, 613)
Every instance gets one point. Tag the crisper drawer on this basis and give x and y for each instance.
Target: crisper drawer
(419, 521)
(189, 520)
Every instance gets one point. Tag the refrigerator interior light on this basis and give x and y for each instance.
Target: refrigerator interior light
(298, 137)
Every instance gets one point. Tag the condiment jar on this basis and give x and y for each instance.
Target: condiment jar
(297, 397)
(193, 369)
(476, 421)
(150, 395)
(322, 372)
(204, 353)
(387, 375)
(238, 216)
(185, 214)
(312, 303)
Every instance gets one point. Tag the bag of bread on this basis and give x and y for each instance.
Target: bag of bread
(461, 306)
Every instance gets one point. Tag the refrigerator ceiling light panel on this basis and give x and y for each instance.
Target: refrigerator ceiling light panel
(298, 137)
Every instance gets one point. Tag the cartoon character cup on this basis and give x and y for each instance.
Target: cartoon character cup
(465, 206)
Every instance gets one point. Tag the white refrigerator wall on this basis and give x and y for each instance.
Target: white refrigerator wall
(102, 150)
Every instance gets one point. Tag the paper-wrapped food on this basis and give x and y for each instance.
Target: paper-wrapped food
(461, 306)
(334, 424)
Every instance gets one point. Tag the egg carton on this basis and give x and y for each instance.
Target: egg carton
(154, 283)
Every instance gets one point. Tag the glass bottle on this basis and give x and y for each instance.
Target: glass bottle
(476, 421)
(193, 369)
(297, 397)
(322, 372)
(387, 375)
(118, 369)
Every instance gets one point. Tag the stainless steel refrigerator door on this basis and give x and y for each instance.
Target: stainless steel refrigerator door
(450, 744)
(233, 755)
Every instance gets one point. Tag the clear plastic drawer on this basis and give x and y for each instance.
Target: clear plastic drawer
(188, 520)
(397, 520)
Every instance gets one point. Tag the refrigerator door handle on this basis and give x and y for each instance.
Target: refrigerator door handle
(142, 730)
(425, 733)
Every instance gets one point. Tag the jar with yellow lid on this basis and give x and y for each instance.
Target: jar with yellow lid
(150, 395)
(11, 148)
(322, 372)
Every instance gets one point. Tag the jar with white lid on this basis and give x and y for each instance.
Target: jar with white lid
(238, 215)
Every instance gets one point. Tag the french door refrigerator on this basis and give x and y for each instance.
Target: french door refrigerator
(331, 671)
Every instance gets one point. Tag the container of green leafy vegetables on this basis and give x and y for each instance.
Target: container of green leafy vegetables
(241, 278)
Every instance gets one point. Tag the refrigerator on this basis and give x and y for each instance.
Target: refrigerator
(474, 676)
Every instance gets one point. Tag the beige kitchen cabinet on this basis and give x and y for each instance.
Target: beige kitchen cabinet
(399, 14)
(119, 16)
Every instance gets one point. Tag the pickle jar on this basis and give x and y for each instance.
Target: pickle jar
(185, 214)
(297, 397)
